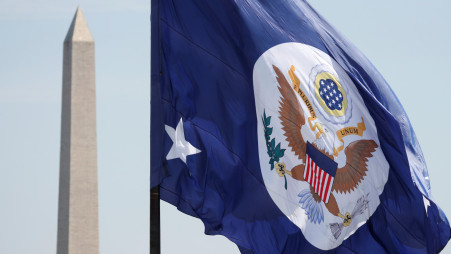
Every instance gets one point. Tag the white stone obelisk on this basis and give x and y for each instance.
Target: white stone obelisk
(78, 206)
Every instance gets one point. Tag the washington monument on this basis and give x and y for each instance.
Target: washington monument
(77, 207)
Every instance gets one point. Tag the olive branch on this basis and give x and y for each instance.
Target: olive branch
(274, 152)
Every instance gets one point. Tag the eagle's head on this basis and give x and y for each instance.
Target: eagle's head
(324, 142)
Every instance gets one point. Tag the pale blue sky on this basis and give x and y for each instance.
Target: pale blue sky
(406, 40)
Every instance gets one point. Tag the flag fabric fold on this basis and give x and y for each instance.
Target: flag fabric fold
(239, 88)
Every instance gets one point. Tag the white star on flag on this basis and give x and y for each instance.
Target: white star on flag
(426, 205)
(180, 148)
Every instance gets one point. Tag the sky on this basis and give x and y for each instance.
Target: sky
(407, 41)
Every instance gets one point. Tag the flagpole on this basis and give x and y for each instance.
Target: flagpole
(154, 211)
(155, 241)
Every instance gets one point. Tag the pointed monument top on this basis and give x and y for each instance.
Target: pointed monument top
(79, 30)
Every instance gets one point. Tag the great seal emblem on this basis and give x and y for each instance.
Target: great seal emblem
(324, 171)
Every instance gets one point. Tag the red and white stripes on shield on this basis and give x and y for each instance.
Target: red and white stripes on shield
(319, 179)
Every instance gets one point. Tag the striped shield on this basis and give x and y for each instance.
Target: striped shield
(319, 172)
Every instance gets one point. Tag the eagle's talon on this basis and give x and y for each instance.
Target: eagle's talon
(347, 219)
(281, 169)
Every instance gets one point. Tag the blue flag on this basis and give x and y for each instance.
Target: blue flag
(276, 132)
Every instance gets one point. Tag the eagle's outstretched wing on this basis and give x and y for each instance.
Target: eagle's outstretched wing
(357, 153)
(291, 115)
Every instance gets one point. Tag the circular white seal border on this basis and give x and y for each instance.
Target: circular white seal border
(306, 60)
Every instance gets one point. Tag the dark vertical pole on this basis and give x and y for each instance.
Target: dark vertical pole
(155, 220)
(155, 242)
